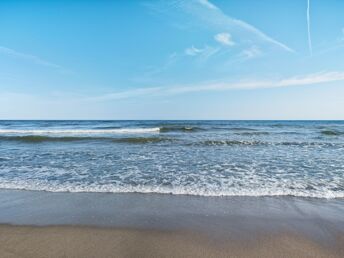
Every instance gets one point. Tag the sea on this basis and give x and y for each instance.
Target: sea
(203, 158)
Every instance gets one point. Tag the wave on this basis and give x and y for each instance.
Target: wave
(331, 132)
(242, 129)
(176, 190)
(107, 127)
(257, 143)
(142, 140)
(81, 131)
(159, 139)
(228, 142)
(187, 129)
(40, 139)
(252, 133)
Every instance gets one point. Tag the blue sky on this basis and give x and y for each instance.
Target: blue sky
(194, 59)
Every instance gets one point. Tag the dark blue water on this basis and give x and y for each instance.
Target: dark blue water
(255, 158)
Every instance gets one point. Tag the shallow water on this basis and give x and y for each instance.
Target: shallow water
(216, 158)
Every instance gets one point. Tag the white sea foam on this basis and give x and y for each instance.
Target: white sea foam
(178, 190)
(81, 131)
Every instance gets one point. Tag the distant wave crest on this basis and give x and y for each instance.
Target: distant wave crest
(41, 139)
(81, 131)
(331, 132)
(187, 129)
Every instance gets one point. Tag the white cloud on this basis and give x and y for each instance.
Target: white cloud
(308, 79)
(207, 4)
(202, 53)
(251, 52)
(13, 53)
(193, 51)
(224, 38)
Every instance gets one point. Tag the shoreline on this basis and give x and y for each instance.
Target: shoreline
(156, 225)
(152, 191)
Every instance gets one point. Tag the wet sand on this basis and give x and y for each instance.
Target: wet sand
(42, 224)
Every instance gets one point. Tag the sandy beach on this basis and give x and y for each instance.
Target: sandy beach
(69, 241)
(43, 224)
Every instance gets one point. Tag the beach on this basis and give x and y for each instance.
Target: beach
(172, 128)
(43, 224)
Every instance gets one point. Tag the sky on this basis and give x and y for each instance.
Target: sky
(192, 59)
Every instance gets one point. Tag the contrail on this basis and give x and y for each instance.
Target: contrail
(309, 29)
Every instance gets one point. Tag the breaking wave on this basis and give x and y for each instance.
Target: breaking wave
(41, 139)
(331, 132)
(193, 190)
(82, 131)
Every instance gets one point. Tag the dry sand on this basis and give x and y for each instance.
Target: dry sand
(77, 241)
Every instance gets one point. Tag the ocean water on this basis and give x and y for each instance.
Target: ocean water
(211, 158)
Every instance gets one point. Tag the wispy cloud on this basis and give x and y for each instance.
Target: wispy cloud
(214, 16)
(315, 78)
(262, 35)
(309, 28)
(193, 51)
(32, 58)
(207, 4)
(126, 94)
(203, 53)
(224, 38)
(308, 79)
(251, 52)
